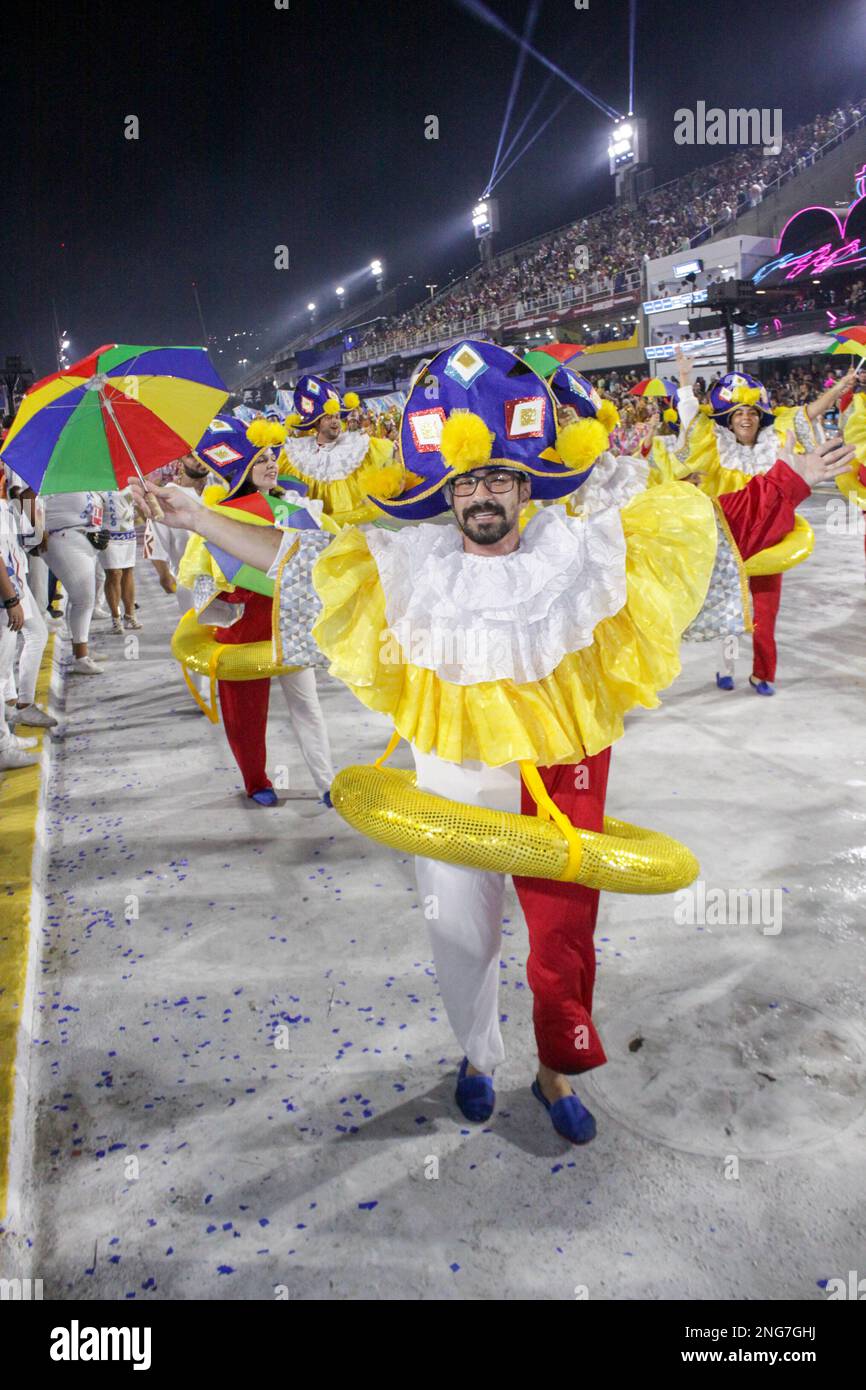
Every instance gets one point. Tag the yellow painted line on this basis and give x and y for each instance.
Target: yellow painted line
(19, 810)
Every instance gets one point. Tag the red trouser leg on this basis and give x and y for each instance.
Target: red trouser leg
(561, 921)
(766, 592)
(244, 706)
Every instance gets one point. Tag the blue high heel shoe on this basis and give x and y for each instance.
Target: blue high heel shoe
(762, 687)
(724, 682)
(475, 1095)
(266, 797)
(569, 1116)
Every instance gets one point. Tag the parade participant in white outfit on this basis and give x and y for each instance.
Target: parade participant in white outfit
(14, 752)
(20, 702)
(118, 559)
(70, 519)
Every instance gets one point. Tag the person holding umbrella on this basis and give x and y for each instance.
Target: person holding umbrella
(121, 412)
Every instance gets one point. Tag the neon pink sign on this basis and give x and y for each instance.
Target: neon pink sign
(839, 246)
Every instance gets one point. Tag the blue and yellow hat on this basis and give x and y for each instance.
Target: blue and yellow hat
(737, 389)
(230, 448)
(314, 397)
(476, 405)
(570, 388)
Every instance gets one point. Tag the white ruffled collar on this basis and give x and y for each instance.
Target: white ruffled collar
(474, 618)
(330, 463)
(748, 458)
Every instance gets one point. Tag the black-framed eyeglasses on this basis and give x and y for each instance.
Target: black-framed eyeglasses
(494, 482)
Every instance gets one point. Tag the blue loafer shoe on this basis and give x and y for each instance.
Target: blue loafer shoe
(762, 687)
(266, 797)
(475, 1095)
(569, 1117)
(326, 801)
(724, 682)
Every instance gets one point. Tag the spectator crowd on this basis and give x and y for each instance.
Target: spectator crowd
(674, 217)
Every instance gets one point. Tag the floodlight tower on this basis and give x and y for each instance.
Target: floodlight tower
(627, 154)
(485, 223)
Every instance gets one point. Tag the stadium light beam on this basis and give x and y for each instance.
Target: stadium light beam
(486, 15)
(531, 141)
(528, 28)
(632, 30)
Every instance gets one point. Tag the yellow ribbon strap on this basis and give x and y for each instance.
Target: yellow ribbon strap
(392, 744)
(548, 810)
(210, 712)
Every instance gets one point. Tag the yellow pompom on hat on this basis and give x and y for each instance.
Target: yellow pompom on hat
(738, 389)
(477, 405)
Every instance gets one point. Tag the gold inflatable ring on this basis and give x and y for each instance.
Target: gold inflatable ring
(194, 645)
(385, 804)
(796, 547)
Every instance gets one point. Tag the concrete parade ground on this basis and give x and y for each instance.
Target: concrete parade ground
(235, 1076)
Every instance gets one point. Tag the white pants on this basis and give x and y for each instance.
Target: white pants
(8, 643)
(37, 578)
(35, 635)
(305, 713)
(184, 604)
(463, 909)
(73, 559)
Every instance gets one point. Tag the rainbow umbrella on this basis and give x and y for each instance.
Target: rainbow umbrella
(849, 340)
(545, 360)
(121, 411)
(653, 386)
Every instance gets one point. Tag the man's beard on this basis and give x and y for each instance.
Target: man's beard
(488, 532)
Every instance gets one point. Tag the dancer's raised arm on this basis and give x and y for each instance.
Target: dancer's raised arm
(255, 545)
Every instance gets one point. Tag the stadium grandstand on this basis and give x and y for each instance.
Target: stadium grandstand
(731, 212)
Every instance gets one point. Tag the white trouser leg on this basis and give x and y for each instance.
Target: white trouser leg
(35, 635)
(73, 560)
(184, 604)
(729, 656)
(463, 909)
(8, 643)
(308, 723)
(37, 578)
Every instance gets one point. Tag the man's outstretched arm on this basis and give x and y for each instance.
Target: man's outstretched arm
(255, 545)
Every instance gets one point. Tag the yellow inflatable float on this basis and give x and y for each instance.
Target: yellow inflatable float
(194, 645)
(386, 805)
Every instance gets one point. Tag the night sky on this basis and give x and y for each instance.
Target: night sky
(305, 127)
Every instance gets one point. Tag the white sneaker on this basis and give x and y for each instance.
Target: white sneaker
(85, 666)
(31, 715)
(11, 757)
(100, 611)
(116, 625)
(131, 623)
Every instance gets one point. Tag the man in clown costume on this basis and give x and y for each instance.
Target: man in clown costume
(339, 467)
(738, 438)
(508, 658)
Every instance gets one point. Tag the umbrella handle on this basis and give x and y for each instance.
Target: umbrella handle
(156, 510)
